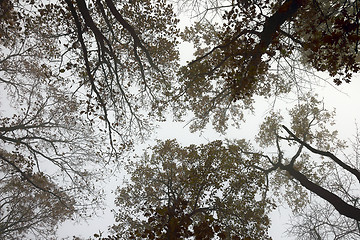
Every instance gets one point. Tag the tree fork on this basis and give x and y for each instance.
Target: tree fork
(354, 171)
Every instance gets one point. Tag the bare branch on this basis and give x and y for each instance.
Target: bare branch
(354, 171)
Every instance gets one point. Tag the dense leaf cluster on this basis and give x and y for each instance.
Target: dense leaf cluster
(264, 48)
(197, 191)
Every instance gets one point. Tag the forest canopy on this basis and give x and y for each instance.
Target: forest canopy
(83, 82)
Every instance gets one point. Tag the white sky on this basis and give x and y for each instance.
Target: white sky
(346, 104)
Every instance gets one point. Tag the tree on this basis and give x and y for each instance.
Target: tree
(321, 189)
(319, 219)
(77, 74)
(264, 48)
(204, 192)
(45, 143)
(48, 154)
(165, 187)
(30, 202)
(121, 67)
(129, 70)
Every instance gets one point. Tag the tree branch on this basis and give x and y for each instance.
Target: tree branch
(341, 206)
(28, 179)
(354, 171)
(131, 30)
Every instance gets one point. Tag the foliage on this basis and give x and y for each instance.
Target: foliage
(320, 188)
(319, 219)
(42, 127)
(25, 208)
(128, 55)
(196, 191)
(75, 75)
(120, 67)
(169, 188)
(264, 48)
(80, 73)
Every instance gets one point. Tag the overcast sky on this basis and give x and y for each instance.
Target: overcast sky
(345, 99)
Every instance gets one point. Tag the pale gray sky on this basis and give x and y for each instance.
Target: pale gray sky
(345, 99)
(347, 106)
